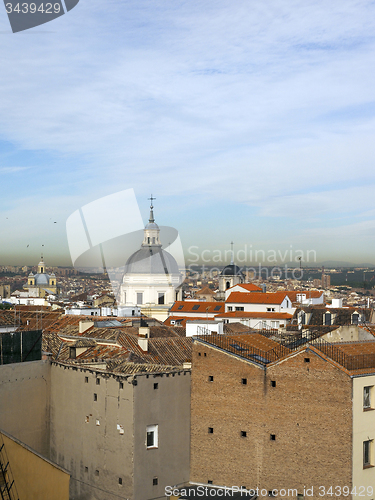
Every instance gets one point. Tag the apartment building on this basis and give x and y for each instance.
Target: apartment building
(289, 419)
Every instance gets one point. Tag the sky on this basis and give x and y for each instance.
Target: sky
(248, 121)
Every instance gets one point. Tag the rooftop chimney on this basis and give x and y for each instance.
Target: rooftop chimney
(85, 325)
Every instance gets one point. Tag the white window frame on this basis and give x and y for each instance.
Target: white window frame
(368, 397)
(155, 430)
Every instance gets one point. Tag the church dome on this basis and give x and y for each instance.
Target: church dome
(151, 260)
(231, 270)
(41, 279)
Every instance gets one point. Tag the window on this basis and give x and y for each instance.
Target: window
(95, 397)
(210, 430)
(96, 472)
(240, 308)
(367, 452)
(243, 434)
(160, 298)
(156, 385)
(210, 482)
(244, 381)
(307, 360)
(273, 383)
(121, 385)
(355, 318)
(180, 307)
(273, 437)
(98, 381)
(210, 378)
(199, 354)
(327, 319)
(367, 397)
(140, 298)
(152, 436)
(155, 481)
(230, 308)
(120, 480)
(195, 307)
(86, 469)
(86, 380)
(217, 308)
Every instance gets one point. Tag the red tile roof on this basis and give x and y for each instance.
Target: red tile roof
(250, 287)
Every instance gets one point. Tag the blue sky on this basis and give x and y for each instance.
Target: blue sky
(249, 121)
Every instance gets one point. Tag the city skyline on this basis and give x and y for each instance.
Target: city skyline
(251, 123)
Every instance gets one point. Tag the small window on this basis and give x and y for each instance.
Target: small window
(199, 354)
(195, 307)
(244, 381)
(367, 397)
(86, 380)
(121, 385)
(95, 397)
(230, 308)
(155, 481)
(98, 381)
(307, 360)
(86, 469)
(273, 383)
(367, 452)
(243, 434)
(152, 436)
(217, 308)
(205, 354)
(96, 472)
(210, 482)
(180, 307)
(160, 298)
(210, 378)
(156, 385)
(273, 437)
(210, 430)
(240, 308)
(139, 298)
(120, 480)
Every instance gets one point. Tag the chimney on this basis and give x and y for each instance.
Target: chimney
(264, 287)
(85, 325)
(143, 336)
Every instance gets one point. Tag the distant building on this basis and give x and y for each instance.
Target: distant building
(41, 284)
(151, 276)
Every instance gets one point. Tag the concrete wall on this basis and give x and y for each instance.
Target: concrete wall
(347, 333)
(24, 403)
(93, 439)
(309, 412)
(363, 430)
(168, 407)
(35, 477)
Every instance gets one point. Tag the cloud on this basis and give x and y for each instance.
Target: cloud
(268, 105)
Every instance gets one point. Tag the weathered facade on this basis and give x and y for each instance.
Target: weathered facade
(117, 434)
(282, 425)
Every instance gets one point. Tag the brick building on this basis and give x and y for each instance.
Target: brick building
(277, 417)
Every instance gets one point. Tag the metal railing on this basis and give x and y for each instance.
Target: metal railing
(7, 487)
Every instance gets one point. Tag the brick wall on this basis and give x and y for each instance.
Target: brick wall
(309, 412)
